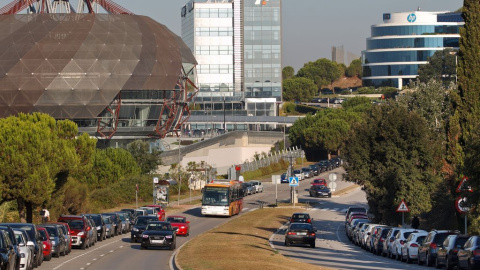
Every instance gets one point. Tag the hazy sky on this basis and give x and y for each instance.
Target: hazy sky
(310, 27)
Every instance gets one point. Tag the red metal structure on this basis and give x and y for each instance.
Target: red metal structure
(44, 6)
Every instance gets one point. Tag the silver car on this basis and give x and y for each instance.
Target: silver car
(257, 185)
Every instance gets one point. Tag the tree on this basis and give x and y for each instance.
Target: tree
(323, 72)
(35, 149)
(288, 72)
(441, 67)
(112, 165)
(298, 89)
(148, 160)
(355, 69)
(393, 155)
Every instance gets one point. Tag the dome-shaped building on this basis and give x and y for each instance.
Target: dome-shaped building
(112, 74)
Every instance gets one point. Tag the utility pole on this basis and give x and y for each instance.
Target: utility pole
(290, 159)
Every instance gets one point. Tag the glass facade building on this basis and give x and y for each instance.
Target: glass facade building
(237, 44)
(405, 41)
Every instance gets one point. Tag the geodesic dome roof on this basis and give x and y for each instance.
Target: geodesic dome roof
(74, 65)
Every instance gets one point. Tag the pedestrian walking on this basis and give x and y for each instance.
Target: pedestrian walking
(415, 222)
(45, 215)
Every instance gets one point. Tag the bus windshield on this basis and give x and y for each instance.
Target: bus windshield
(218, 196)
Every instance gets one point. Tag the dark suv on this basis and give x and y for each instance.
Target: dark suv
(301, 217)
(100, 224)
(139, 227)
(427, 251)
(79, 229)
(447, 252)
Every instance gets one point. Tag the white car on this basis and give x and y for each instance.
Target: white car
(258, 186)
(26, 248)
(400, 239)
(410, 247)
(299, 174)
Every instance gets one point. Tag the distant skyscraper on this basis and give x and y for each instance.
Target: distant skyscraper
(403, 42)
(338, 55)
(237, 44)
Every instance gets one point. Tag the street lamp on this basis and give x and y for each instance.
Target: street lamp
(178, 169)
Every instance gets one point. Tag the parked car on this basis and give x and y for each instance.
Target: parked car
(11, 235)
(8, 256)
(124, 223)
(79, 229)
(139, 227)
(47, 243)
(447, 253)
(299, 174)
(258, 186)
(380, 237)
(160, 211)
(26, 248)
(315, 169)
(410, 247)
(301, 218)
(284, 178)
(307, 172)
(66, 232)
(181, 223)
(116, 223)
(300, 233)
(469, 255)
(365, 234)
(371, 236)
(324, 165)
(100, 226)
(32, 232)
(388, 243)
(131, 214)
(159, 234)
(320, 191)
(59, 246)
(400, 239)
(354, 209)
(250, 189)
(427, 252)
(109, 230)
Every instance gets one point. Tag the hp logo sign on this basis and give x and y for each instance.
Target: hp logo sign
(411, 17)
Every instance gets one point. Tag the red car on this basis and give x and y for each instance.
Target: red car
(181, 223)
(319, 181)
(47, 243)
(160, 211)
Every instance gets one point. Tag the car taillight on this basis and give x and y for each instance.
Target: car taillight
(381, 239)
(291, 220)
(402, 242)
(476, 252)
(433, 245)
(414, 245)
(312, 234)
(455, 250)
(291, 233)
(308, 221)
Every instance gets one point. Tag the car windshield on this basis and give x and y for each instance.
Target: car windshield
(148, 210)
(296, 171)
(159, 227)
(74, 224)
(20, 238)
(421, 238)
(460, 242)
(28, 229)
(441, 237)
(301, 216)
(52, 231)
(300, 226)
(43, 235)
(144, 221)
(176, 219)
(106, 220)
(97, 220)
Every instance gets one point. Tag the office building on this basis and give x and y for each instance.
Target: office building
(237, 44)
(403, 42)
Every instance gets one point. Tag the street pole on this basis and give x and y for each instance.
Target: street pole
(178, 168)
(224, 122)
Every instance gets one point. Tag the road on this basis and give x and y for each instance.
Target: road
(333, 249)
(119, 253)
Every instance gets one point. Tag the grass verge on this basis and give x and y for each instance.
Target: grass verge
(242, 243)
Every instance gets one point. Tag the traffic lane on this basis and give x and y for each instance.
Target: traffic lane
(333, 249)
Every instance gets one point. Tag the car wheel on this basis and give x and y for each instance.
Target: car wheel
(49, 257)
(437, 264)
(287, 243)
(408, 260)
(132, 240)
(429, 260)
(84, 245)
(448, 265)
(142, 247)
(172, 247)
(419, 260)
(57, 255)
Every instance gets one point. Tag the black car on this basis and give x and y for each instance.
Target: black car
(427, 251)
(447, 252)
(116, 222)
(324, 165)
(320, 191)
(315, 169)
(100, 224)
(300, 218)
(8, 256)
(13, 240)
(59, 246)
(139, 226)
(300, 233)
(131, 214)
(32, 232)
(159, 234)
(379, 239)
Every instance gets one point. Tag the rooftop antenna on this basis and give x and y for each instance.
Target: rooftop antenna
(418, 9)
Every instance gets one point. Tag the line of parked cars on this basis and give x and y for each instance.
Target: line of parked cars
(252, 187)
(313, 169)
(439, 248)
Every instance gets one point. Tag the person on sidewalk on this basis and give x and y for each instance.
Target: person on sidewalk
(45, 215)
(415, 222)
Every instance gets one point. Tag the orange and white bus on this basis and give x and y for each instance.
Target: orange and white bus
(222, 198)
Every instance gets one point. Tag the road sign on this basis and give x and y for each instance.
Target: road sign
(293, 181)
(402, 207)
(332, 186)
(462, 205)
(332, 177)
(155, 180)
(464, 186)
